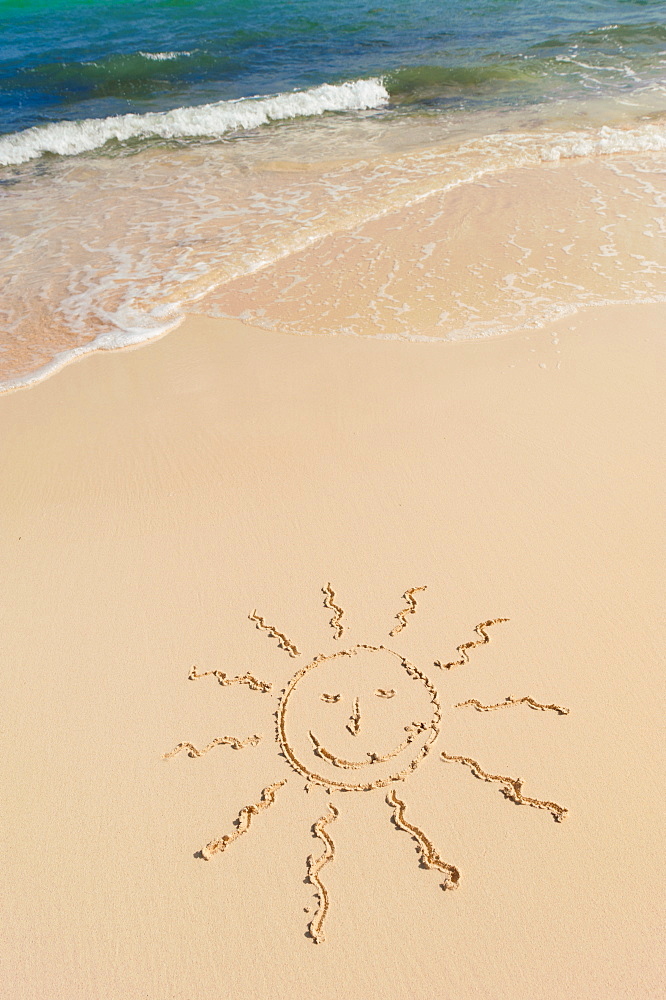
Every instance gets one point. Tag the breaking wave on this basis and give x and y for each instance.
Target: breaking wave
(68, 138)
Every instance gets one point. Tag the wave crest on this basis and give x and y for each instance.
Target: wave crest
(164, 56)
(67, 138)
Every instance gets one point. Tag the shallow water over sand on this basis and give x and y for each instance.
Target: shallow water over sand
(402, 227)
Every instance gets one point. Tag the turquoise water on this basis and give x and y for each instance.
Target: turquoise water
(80, 59)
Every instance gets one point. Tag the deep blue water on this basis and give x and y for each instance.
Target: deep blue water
(75, 59)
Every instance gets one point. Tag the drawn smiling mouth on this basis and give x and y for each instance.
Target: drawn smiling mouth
(412, 731)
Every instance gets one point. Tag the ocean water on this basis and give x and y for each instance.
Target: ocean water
(82, 59)
(154, 152)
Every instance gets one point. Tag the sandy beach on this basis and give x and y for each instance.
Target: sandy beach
(155, 499)
(331, 500)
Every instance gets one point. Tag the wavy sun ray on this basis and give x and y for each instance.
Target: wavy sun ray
(512, 787)
(462, 649)
(510, 700)
(409, 610)
(429, 856)
(233, 741)
(336, 620)
(315, 866)
(283, 642)
(243, 822)
(226, 681)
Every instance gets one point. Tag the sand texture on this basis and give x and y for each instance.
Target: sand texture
(238, 564)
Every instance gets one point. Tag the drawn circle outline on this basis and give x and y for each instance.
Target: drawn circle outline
(318, 779)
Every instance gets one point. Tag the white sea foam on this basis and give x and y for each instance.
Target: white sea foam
(163, 56)
(647, 139)
(68, 138)
(104, 342)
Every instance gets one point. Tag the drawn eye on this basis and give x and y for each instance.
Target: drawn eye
(330, 699)
(381, 693)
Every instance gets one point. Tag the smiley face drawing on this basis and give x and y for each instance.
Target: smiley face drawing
(376, 683)
(359, 719)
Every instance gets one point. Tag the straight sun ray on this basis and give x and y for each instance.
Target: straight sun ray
(512, 787)
(283, 642)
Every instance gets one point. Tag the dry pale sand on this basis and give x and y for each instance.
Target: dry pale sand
(152, 499)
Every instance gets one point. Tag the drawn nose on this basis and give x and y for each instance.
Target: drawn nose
(354, 723)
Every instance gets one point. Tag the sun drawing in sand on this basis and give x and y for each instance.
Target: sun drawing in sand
(355, 696)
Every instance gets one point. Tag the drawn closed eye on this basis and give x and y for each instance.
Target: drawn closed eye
(381, 693)
(330, 699)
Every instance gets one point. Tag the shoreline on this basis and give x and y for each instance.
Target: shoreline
(569, 312)
(558, 237)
